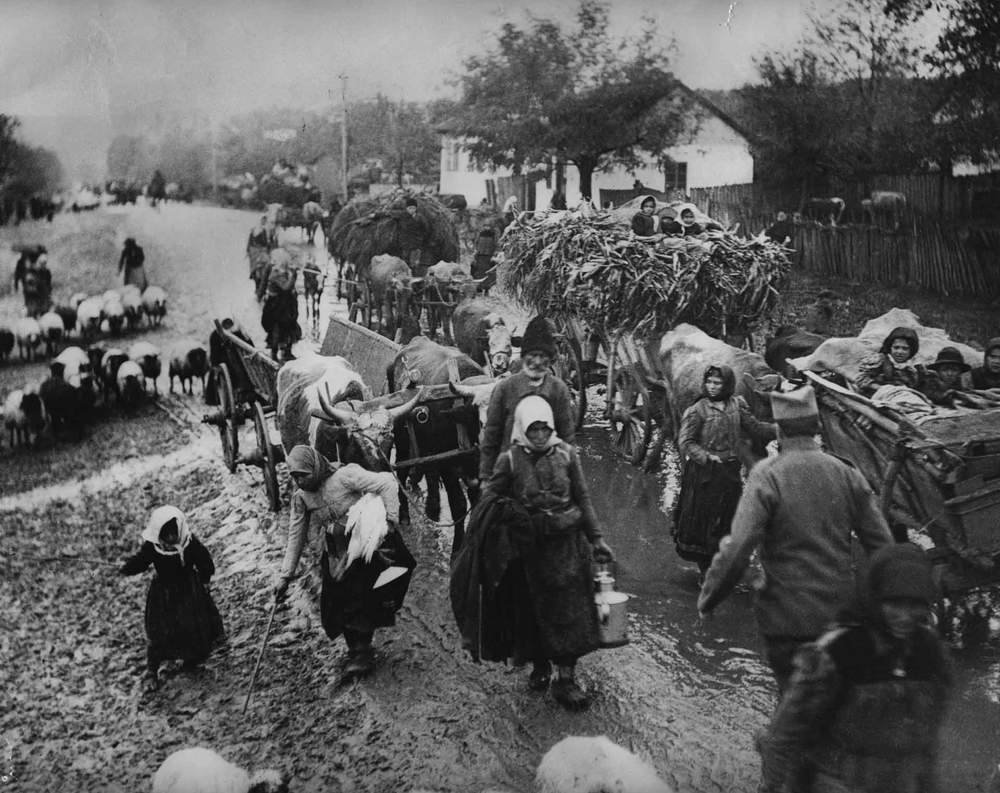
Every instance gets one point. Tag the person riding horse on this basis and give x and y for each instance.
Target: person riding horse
(280, 316)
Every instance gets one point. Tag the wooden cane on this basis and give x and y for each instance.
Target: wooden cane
(260, 656)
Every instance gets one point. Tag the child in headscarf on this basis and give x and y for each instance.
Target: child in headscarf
(349, 603)
(892, 364)
(556, 620)
(711, 431)
(645, 223)
(987, 376)
(182, 621)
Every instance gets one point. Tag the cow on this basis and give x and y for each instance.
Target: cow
(24, 415)
(444, 284)
(824, 210)
(685, 352)
(313, 408)
(391, 291)
(482, 334)
(436, 427)
(885, 205)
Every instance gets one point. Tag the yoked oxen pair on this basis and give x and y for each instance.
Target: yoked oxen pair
(436, 426)
(685, 353)
(321, 404)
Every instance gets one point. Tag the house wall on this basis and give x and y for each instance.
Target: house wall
(459, 175)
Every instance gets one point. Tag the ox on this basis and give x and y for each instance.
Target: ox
(825, 210)
(885, 206)
(481, 333)
(685, 353)
(312, 410)
(391, 290)
(445, 284)
(436, 427)
(791, 341)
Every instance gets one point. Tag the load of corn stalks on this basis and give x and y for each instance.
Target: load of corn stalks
(589, 266)
(367, 227)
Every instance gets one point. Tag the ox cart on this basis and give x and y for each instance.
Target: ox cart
(247, 387)
(939, 478)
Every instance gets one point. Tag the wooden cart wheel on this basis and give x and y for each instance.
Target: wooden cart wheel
(568, 367)
(268, 461)
(229, 427)
(630, 416)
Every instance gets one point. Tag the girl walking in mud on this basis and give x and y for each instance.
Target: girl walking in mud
(182, 621)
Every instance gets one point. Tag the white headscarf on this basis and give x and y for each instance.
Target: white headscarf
(157, 519)
(529, 410)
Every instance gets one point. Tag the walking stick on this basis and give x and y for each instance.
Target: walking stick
(260, 656)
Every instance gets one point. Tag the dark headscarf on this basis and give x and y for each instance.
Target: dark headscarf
(306, 460)
(909, 335)
(728, 382)
(992, 344)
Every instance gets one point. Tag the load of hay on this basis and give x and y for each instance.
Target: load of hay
(367, 227)
(589, 266)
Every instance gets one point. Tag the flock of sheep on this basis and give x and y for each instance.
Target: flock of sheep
(97, 371)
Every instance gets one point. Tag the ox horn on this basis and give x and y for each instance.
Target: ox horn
(404, 409)
(337, 414)
(462, 390)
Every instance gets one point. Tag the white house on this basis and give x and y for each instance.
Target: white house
(712, 151)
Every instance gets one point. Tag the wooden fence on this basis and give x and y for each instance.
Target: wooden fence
(943, 259)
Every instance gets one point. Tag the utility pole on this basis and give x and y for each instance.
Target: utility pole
(343, 135)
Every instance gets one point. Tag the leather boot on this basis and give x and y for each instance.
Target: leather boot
(567, 692)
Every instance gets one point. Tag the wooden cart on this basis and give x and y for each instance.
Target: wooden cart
(940, 479)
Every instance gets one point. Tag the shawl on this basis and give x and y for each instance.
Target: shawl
(161, 516)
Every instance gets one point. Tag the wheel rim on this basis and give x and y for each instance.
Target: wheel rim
(267, 457)
(630, 421)
(228, 433)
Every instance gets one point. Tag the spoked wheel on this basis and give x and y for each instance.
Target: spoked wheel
(267, 457)
(630, 416)
(568, 367)
(229, 426)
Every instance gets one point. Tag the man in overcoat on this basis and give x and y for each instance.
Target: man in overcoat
(800, 508)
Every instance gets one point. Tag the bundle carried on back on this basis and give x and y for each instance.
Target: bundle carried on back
(589, 266)
(367, 227)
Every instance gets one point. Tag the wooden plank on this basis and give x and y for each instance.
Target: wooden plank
(368, 352)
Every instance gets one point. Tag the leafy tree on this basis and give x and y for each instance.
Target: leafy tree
(574, 94)
(32, 171)
(8, 145)
(399, 134)
(967, 54)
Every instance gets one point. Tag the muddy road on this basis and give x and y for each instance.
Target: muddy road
(685, 695)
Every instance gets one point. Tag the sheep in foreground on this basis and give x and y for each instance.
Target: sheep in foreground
(198, 770)
(595, 764)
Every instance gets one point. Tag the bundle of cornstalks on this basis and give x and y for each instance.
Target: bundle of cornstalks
(571, 264)
(367, 227)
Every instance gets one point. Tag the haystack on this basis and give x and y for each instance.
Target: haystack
(367, 227)
(589, 266)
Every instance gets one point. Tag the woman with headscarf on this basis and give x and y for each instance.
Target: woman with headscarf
(892, 364)
(645, 222)
(182, 621)
(280, 315)
(987, 376)
(349, 601)
(555, 617)
(709, 443)
(132, 261)
(864, 708)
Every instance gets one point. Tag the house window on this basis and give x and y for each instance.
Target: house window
(675, 176)
(453, 157)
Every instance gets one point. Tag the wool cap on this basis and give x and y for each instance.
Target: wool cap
(901, 570)
(794, 405)
(949, 355)
(538, 337)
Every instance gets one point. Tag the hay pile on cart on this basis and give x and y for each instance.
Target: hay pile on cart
(367, 227)
(590, 267)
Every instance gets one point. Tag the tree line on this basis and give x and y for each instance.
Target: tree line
(26, 172)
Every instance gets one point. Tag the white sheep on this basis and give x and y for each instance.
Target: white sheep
(132, 303)
(147, 355)
(28, 333)
(595, 764)
(113, 312)
(88, 317)
(198, 770)
(154, 303)
(53, 330)
(130, 380)
(77, 299)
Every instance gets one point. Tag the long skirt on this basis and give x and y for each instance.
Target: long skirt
(552, 588)
(182, 621)
(136, 276)
(351, 601)
(705, 507)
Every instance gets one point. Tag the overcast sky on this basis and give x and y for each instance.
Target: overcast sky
(102, 57)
